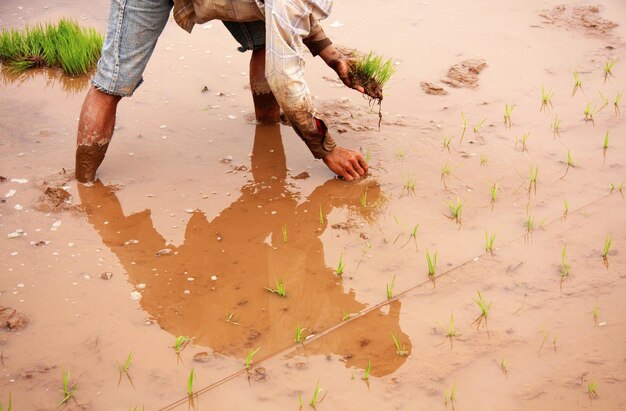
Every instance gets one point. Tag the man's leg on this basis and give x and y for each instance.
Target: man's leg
(266, 108)
(133, 30)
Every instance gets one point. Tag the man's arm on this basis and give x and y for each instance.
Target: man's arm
(288, 22)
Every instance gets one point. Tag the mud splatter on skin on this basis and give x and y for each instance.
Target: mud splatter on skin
(88, 159)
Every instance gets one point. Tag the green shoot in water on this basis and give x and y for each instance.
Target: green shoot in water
(507, 115)
(390, 288)
(123, 369)
(364, 198)
(455, 210)
(180, 344)
(596, 314)
(368, 369)
(589, 114)
(192, 376)
(484, 311)
(446, 141)
(608, 67)
(400, 348)
(546, 99)
(249, 357)
(578, 84)
(321, 216)
(523, 141)
(619, 188)
(368, 156)
(280, 289)
(400, 154)
(464, 121)
(483, 161)
(592, 390)
(504, 366)
(607, 246)
(285, 233)
(565, 208)
(299, 334)
(605, 145)
(316, 396)
(9, 405)
(489, 240)
(64, 45)
(345, 315)
(618, 97)
(556, 125)
(451, 334)
(409, 185)
(565, 265)
(605, 101)
(340, 266)
(432, 263)
(477, 129)
(494, 194)
(449, 396)
(446, 170)
(532, 179)
(69, 391)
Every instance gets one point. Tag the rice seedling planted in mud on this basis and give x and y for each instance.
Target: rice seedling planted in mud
(299, 400)
(409, 185)
(532, 179)
(605, 101)
(69, 391)
(340, 266)
(546, 99)
(592, 390)
(299, 334)
(489, 240)
(589, 114)
(64, 45)
(449, 396)
(455, 210)
(364, 198)
(9, 405)
(400, 154)
(483, 160)
(618, 97)
(123, 369)
(432, 263)
(345, 315)
(368, 156)
(484, 311)
(605, 144)
(523, 141)
(390, 288)
(446, 142)
(250, 356)
(504, 366)
(494, 194)
(316, 396)
(180, 344)
(619, 188)
(190, 380)
(280, 289)
(556, 125)
(321, 216)
(608, 241)
(578, 84)
(464, 123)
(596, 314)
(446, 170)
(400, 348)
(368, 369)
(565, 265)
(477, 129)
(284, 233)
(565, 208)
(608, 69)
(507, 114)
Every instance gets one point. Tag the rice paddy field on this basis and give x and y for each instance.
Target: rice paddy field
(216, 265)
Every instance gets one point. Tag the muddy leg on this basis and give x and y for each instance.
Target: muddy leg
(95, 129)
(266, 108)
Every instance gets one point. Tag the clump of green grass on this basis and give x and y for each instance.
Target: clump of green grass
(546, 99)
(589, 114)
(280, 289)
(368, 369)
(316, 396)
(340, 266)
(455, 210)
(578, 84)
(618, 97)
(250, 356)
(484, 311)
(592, 390)
(432, 263)
(489, 240)
(446, 171)
(452, 333)
(69, 390)
(372, 72)
(400, 348)
(608, 69)
(64, 45)
(390, 288)
(508, 109)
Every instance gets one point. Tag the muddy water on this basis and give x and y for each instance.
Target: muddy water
(189, 173)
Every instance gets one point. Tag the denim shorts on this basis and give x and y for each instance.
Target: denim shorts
(133, 29)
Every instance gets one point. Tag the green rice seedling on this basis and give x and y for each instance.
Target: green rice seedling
(608, 67)
(123, 369)
(284, 233)
(605, 144)
(400, 348)
(569, 164)
(605, 101)
(446, 171)
(596, 314)
(589, 114)
(554, 341)
(321, 216)
(432, 263)
(565, 265)
(455, 210)
(464, 123)
(484, 311)
(299, 400)
(451, 333)
(523, 141)
(368, 369)
(390, 288)
(69, 391)
(556, 125)
(489, 240)
(449, 396)
(409, 185)
(532, 179)
(507, 115)
(368, 156)
(608, 241)
(578, 84)
(619, 188)
(190, 380)
(340, 266)
(249, 357)
(364, 198)
(345, 315)
(280, 289)
(230, 318)
(372, 73)
(316, 395)
(9, 405)
(400, 154)
(477, 129)
(531, 225)
(565, 208)
(494, 193)
(446, 142)
(544, 333)
(546, 99)
(412, 236)
(180, 343)
(592, 390)
(299, 334)
(504, 366)
(618, 97)
(64, 45)
(483, 160)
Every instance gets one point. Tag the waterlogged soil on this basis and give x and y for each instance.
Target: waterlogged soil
(198, 211)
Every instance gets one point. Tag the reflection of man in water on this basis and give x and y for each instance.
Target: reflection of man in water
(244, 248)
(276, 31)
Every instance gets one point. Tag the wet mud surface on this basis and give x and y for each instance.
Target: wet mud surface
(198, 211)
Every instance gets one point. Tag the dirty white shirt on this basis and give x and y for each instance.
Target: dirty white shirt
(287, 23)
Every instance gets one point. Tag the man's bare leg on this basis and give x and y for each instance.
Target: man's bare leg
(266, 108)
(95, 130)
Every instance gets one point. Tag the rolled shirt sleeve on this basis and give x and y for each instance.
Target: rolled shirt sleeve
(287, 23)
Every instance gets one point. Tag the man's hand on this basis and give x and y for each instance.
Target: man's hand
(347, 163)
(341, 63)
